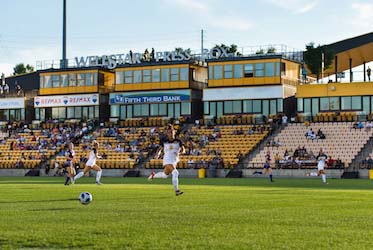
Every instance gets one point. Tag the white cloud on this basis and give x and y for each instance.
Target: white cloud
(230, 22)
(6, 68)
(363, 15)
(206, 9)
(295, 6)
(193, 5)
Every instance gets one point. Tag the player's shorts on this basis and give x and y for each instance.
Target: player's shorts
(90, 164)
(267, 166)
(168, 169)
(68, 163)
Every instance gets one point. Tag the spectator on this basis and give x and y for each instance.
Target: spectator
(360, 125)
(320, 134)
(354, 125)
(6, 88)
(368, 126)
(18, 89)
(284, 119)
(190, 163)
(369, 162)
(330, 162)
(310, 134)
(368, 73)
(152, 55)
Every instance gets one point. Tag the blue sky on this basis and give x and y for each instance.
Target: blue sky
(31, 31)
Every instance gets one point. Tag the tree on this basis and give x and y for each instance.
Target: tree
(259, 52)
(231, 50)
(271, 50)
(313, 58)
(180, 50)
(22, 69)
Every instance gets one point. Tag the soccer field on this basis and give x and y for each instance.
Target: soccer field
(132, 213)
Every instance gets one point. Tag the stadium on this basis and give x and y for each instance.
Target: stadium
(269, 150)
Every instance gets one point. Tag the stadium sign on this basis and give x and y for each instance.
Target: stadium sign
(150, 97)
(111, 61)
(12, 103)
(66, 100)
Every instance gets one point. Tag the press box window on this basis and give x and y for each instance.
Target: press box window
(248, 70)
(156, 75)
(259, 69)
(218, 74)
(165, 75)
(137, 76)
(55, 81)
(128, 76)
(146, 75)
(174, 74)
(228, 71)
(238, 71)
(184, 74)
(119, 77)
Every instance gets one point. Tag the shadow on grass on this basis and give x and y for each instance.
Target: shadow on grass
(256, 182)
(37, 201)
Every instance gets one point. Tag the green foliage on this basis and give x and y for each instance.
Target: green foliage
(233, 49)
(313, 58)
(132, 213)
(22, 69)
(180, 50)
(259, 52)
(271, 50)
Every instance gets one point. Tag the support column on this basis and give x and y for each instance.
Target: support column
(364, 70)
(351, 76)
(336, 68)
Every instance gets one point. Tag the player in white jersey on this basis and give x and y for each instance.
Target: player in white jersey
(171, 148)
(321, 158)
(91, 164)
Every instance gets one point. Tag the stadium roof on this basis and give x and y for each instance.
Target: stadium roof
(359, 49)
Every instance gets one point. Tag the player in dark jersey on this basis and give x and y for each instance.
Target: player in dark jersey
(171, 148)
(69, 165)
(267, 166)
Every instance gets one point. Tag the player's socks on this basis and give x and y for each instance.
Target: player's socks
(270, 178)
(175, 179)
(323, 177)
(78, 176)
(160, 175)
(67, 180)
(98, 176)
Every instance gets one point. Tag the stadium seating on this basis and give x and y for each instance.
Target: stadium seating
(342, 141)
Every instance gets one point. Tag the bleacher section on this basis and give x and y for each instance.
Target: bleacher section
(23, 150)
(342, 142)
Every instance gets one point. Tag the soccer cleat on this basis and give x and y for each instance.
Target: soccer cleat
(178, 192)
(98, 183)
(151, 176)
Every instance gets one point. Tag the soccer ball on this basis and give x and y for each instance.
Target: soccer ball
(85, 198)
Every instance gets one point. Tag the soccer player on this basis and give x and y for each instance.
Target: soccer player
(91, 164)
(171, 148)
(70, 173)
(266, 167)
(321, 158)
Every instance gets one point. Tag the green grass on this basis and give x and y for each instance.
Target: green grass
(131, 213)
